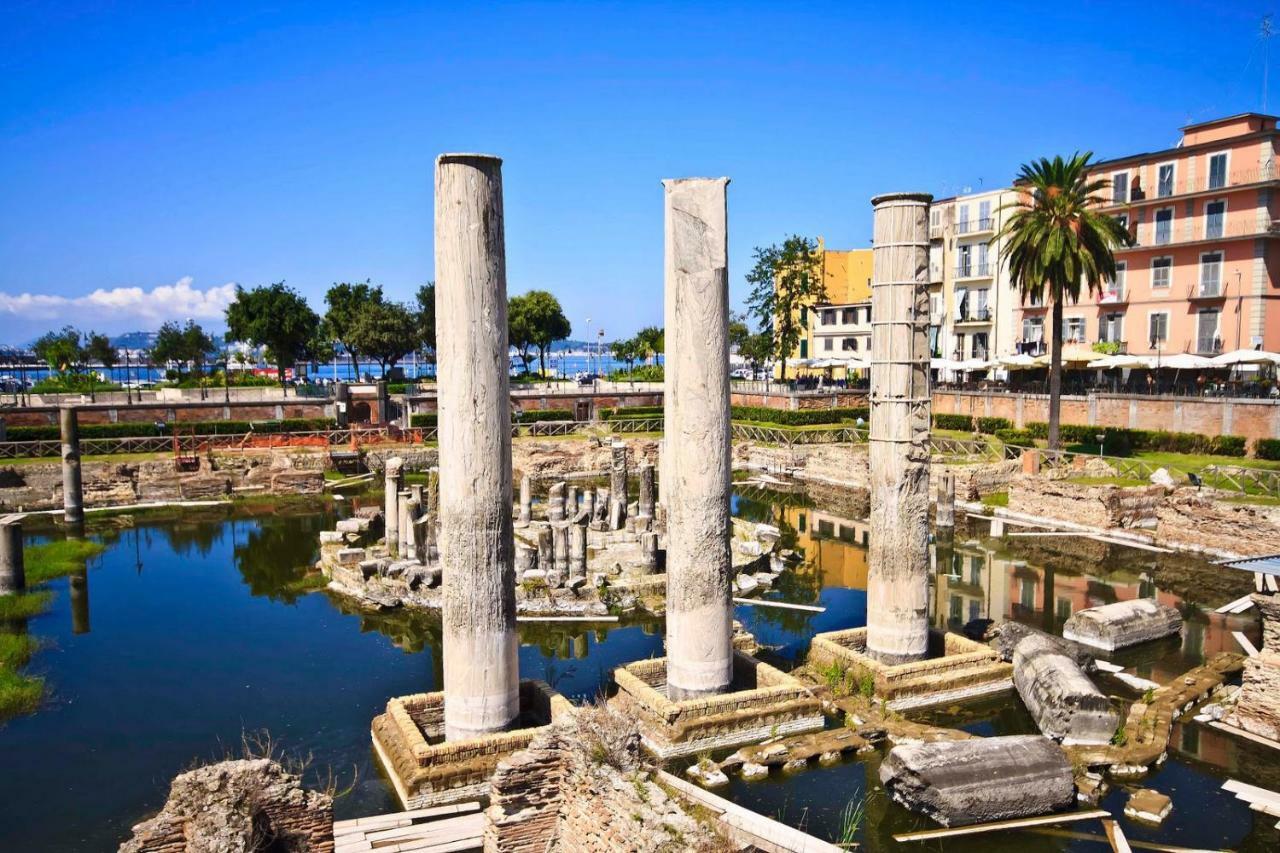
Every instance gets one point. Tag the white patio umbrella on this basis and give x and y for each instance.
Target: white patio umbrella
(1246, 356)
(1184, 361)
(975, 364)
(1113, 361)
(1020, 361)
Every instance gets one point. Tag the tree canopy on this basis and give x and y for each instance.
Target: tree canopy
(189, 344)
(535, 319)
(343, 303)
(276, 317)
(60, 350)
(785, 280)
(1057, 241)
(426, 299)
(385, 332)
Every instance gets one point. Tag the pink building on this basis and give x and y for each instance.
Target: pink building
(1204, 275)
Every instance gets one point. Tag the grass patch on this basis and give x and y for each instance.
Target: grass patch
(19, 694)
(14, 607)
(1196, 461)
(58, 558)
(16, 650)
(1255, 500)
(996, 499)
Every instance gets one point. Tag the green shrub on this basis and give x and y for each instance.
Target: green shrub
(1018, 437)
(631, 413)
(424, 419)
(143, 429)
(1267, 448)
(529, 416)
(990, 425)
(1120, 442)
(641, 373)
(959, 422)
(798, 417)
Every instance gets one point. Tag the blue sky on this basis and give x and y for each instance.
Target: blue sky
(152, 154)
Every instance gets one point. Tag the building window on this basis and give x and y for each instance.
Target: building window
(804, 316)
(1215, 215)
(1164, 226)
(1123, 219)
(1164, 180)
(804, 349)
(1111, 328)
(1033, 329)
(849, 316)
(980, 311)
(1120, 188)
(1207, 331)
(962, 221)
(1217, 171)
(1115, 287)
(1210, 273)
(1073, 330)
(1161, 272)
(849, 345)
(980, 345)
(984, 215)
(983, 249)
(964, 267)
(828, 317)
(826, 344)
(1158, 328)
(935, 217)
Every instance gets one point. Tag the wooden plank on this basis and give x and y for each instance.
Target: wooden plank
(1115, 836)
(410, 815)
(447, 829)
(1251, 793)
(1136, 845)
(1244, 602)
(1232, 730)
(1249, 648)
(761, 602)
(996, 826)
(566, 618)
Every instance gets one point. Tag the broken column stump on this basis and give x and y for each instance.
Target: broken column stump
(980, 780)
(1064, 702)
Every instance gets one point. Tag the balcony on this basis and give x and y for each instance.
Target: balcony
(982, 225)
(1211, 289)
(974, 315)
(1201, 185)
(1171, 235)
(1032, 348)
(978, 270)
(1209, 346)
(1113, 295)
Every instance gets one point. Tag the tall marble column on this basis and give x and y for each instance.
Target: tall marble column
(481, 665)
(13, 575)
(72, 492)
(392, 477)
(898, 562)
(696, 472)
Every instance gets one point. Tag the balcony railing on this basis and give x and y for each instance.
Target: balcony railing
(1206, 290)
(1208, 346)
(1201, 183)
(972, 270)
(1113, 295)
(1171, 235)
(1031, 348)
(974, 315)
(975, 226)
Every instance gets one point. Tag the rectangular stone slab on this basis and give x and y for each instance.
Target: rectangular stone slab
(980, 780)
(1123, 624)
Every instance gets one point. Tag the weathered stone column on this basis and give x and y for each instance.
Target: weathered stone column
(409, 529)
(649, 551)
(433, 492)
(648, 492)
(570, 502)
(391, 503)
(577, 551)
(526, 501)
(946, 506)
(699, 611)
(13, 574)
(618, 486)
(555, 502)
(72, 493)
(406, 524)
(559, 554)
(546, 559)
(589, 503)
(481, 665)
(526, 560)
(898, 562)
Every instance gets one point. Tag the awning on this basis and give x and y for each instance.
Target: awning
(1269, 565)
(1182, 361)
(1246, 356)
(1113, 361)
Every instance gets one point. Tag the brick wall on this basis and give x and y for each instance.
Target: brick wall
(182, 412)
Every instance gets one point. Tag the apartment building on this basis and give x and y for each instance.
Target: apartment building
(841, 325)
(971, 305)
(1202, 276)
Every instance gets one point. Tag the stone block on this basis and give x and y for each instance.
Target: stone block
(330, 537)
(350, 556)
(1148, 806)
(1064, 702)
(1123, 624)
(980, 780)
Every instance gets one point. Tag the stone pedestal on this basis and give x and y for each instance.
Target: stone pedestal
(481, 664)
(1123, 624)
(526, 501)
(72, 492)
(898, 561)
(699, 610)
(13, 576)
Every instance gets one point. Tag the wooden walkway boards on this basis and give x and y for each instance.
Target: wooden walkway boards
(748, 827)
(445, 829)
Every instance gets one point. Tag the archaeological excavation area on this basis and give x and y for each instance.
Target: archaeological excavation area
(678, 639)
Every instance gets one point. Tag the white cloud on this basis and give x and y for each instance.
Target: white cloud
(119, 309)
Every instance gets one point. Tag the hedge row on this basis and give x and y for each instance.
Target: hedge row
(1120, 441)
(1018, 437)
(759, 414)
(146, 430)
(960, 422)
(1267, 448)
(431, 419)
(630, 412)
(991, 425)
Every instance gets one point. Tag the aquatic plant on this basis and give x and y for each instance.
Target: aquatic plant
(58, 558)
(852, 817)
(17, 607)
(19, 694)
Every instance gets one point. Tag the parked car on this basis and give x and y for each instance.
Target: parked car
(588, 379)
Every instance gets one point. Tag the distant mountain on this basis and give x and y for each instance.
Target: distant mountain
(134, 340)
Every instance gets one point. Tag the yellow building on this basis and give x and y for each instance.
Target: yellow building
(846, 312)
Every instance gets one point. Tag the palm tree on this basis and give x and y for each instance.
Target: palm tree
(1057, 240)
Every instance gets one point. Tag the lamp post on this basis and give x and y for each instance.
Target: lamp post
(589, 345)
(1101, 437)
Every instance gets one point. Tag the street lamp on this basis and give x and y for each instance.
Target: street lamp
(589, 345)
(1101, 437)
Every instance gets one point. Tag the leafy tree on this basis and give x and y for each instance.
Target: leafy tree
(1057, 241)
(739, 331)
(275, 317)
(520, 330)
(182, 345)
(546, 323)
(627, 351)
(385, 332)
(98, 348)
(650, 341)
(427, 320)
(343, 302)
(784, 280)
(198, 346)
(60, 350)
(757, 349)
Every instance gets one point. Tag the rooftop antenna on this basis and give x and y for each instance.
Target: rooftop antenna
(1265, 32)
